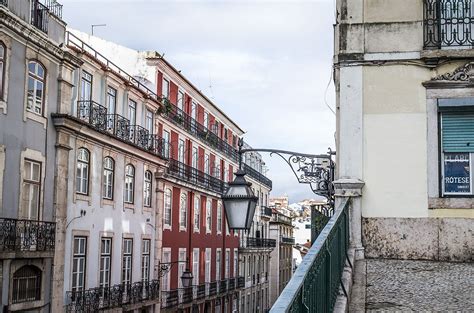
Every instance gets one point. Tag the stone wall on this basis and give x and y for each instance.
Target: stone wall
(441, 239)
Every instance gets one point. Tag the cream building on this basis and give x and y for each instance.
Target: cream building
(404, 77)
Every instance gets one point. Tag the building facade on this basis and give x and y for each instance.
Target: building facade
(405, 102)
(255, 245)
(32, 67)
(281, 258)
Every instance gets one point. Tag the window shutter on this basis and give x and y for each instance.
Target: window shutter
(457, 132)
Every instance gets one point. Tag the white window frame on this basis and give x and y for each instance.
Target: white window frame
(83, 167)
(30, 184)
(197, 214)
(183, 211)
(166, 139)
(181, 265)
(167, 208)
(79, 263)
(227, 263)
(207, 266)
(108, 177)
(105, 263)
(37, 106)
(166, 258)
(219, 219)
(236, 263)
(146, 259)
(165, 88)
(208, 216)
(196, 266)
(147, 188)
(129, 184)
(218, 264)
(127, 261)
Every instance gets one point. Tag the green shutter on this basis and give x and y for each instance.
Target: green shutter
(457, 131)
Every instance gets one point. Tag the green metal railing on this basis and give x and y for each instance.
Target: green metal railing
(314, 286)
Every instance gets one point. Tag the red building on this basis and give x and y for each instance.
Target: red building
(203, 155)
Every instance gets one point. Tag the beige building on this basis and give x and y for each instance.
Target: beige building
(279, 202)
(281, 258)
(404, 76)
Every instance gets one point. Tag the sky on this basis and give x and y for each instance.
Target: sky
(267, 64)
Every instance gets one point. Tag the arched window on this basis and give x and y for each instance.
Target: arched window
(36, 87)
(82, 171)
(108, 186)
(2, 68)
(183, 208)
(147, 189)
(167, 207)
(26, 284)
(197, 213)
(129, 183)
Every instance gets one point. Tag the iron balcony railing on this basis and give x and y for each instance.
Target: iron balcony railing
(287, 240)
(448, 23)
(266, 211)
(280, 218)
(223, 286)
(315, 284)
(196, 177)
(103, 298)
(199, 291)
(26, 235)
(256, 175)
(54, 8)
(231, 284)
(183, 120)
(252, 242)
(185, 295)
(39, 16)
(4, 2)
(240, 282)
(169, 298)
(97, 117)
(211, 288)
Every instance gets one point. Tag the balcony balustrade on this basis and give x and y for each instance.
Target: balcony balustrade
(54, 8)
(231, 284)
(240, 282)
(96, 116)
(196, 177)
(448, 23)
(252, 242)
(211, 288)
(104, 298)
(39, 15)
(26, 235)
(192, 126)
(280, 218)
(185, 295)
(169, 298)
(199, 291)
(266, 211)
(257, 175)
(223, 286)
(287, 240)
(314, 286)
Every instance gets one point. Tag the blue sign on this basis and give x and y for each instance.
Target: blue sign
(457, 173)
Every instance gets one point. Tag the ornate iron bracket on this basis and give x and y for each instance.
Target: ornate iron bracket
(317, 170)
(164, 268)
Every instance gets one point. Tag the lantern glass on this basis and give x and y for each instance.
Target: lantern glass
(186, 278)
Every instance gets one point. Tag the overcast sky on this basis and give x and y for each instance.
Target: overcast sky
(267, 64)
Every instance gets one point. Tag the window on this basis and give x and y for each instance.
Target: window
(166, 139)
(206, 119)
(86, 86)
(227, 263)
(193, 110)
(147, 189)
(127, 261)
(236, 262)
(181, 151)
(195, 157)
(196, 266)
(206, 164)
(218, 265)
(208, 216)
(145, 260)
(2, 69)
(207, 268)
(82, 172)
(26, 284)
(183, 209)
(111, 104)
(79, 260)
(149, 121)
(457, 134)
(108, 185)
(181, 265)
(197, 213)
(165, 89)
(31, 190)
(129, 183)
(180, 100)
(166, 277)
(132, 112)
(219, 217)
(36, 88)
(105, 262)
(167, 207)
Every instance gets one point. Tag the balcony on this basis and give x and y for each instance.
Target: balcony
(315, 284)
(448, 24)
(280, 218)
(192, 126)
(257, 175)
(26, 235)
(104, 298)
(39, 16)
(198, 293)
(266, 212)
(252, 242)
(4, 2)
(54, 8)
(287, 240)
(117, 126)
(196, 177)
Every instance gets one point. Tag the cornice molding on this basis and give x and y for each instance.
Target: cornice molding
(461, 77)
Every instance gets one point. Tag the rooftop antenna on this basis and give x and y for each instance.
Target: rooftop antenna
(96, 25)
(210, 85)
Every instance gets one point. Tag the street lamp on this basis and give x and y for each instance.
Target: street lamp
(315, 170)
(239, 202)
(186, 277)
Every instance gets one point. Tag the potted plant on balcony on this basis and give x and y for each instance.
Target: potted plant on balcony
(166, 108)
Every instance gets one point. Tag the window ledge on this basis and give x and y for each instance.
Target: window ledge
(181, 228)
(26, 306)
(82, 197)
(109, 202)
(451, 203)
(458, 52)
(37, 118)
(129, 206)
(167, 227)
